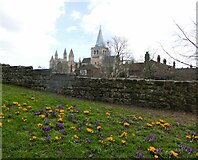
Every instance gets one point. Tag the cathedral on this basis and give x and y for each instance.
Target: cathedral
(98, 53)
(62, 65)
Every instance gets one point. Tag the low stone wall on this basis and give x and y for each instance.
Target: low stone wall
(173, 95)
(147, 93)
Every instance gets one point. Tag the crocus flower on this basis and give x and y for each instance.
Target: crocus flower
(123, 141)
(189, 149)
(149, 125)
(15, 103)
(172, 153)
(86, 112)
(157, 150)
(124, 134)
(88, 140)
(76, 136)
(110, 138)
(48, 137)
(62, 131)
(46, 128)
(99, 128)
(77, 110)
(139, 154)
(37, 112)
(60, 125)
(60, 106)
(126, 124)
(90, 130)
(97, 122)
(56, 138)
(53, 112)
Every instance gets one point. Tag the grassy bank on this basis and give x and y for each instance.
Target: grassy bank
(45, 125)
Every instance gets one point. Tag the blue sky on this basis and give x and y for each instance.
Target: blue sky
(32, 30)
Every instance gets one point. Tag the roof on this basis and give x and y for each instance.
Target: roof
(100, 42)
(86, 60)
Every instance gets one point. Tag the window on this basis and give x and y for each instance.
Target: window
(94, 52)
(97, 51)
(83, 72)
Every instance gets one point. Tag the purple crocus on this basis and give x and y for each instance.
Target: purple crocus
(194, 133)
(77, 110)
(189, 149)
(46, 128)
(157, 150)
(60, 125)
(53, 113)
(8, 106)
(37, 113)
(48, 137)
(60, 106)
(46, 121)
(138, 154)
(79, 129)
(152, 138)
(88, 140)
(97, 122)
(62, 131)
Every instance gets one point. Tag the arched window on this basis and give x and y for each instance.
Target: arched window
(97, 51)
(94, 52)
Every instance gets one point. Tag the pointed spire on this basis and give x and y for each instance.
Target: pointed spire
(65, 54)
(71, 55)
(52, 58)
(56, 55)
(100, 41)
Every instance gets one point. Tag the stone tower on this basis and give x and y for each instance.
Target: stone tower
(99, 51)
(62, 65)
(65, 55)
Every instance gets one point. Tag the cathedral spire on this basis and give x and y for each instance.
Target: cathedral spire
(56, 55)
(100, 41)
(65, 54)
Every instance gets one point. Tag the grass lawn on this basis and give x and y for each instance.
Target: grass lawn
(38, 124)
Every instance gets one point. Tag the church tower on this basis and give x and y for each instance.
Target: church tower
(99, 51)
(71, 56)
(65, 55)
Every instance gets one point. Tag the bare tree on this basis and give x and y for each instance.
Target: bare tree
(188, 43)
(118, 47)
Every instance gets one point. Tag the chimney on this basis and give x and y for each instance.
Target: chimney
(164, 61)
(147, 57)
(158, 58)
(174, 64)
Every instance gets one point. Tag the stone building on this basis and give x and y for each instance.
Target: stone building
(100, 59)
(63, 65)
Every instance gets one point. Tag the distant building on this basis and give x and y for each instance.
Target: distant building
(100, 56)
(62, 65)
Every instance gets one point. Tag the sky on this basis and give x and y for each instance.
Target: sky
(32, 30)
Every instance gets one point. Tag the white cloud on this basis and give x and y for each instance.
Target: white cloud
(26, 29)
(71, 28)
(75, 15)
(144, 23)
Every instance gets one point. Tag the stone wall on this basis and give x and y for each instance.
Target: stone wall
(159, 94)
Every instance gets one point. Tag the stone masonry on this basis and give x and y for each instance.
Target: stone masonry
(159, 94)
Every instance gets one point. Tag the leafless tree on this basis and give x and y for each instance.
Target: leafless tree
(187, 42)
(118, 47)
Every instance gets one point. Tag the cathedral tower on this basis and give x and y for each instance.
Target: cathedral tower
(99, 51)
(65, 55)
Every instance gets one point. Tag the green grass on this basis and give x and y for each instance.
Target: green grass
(18, 129)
